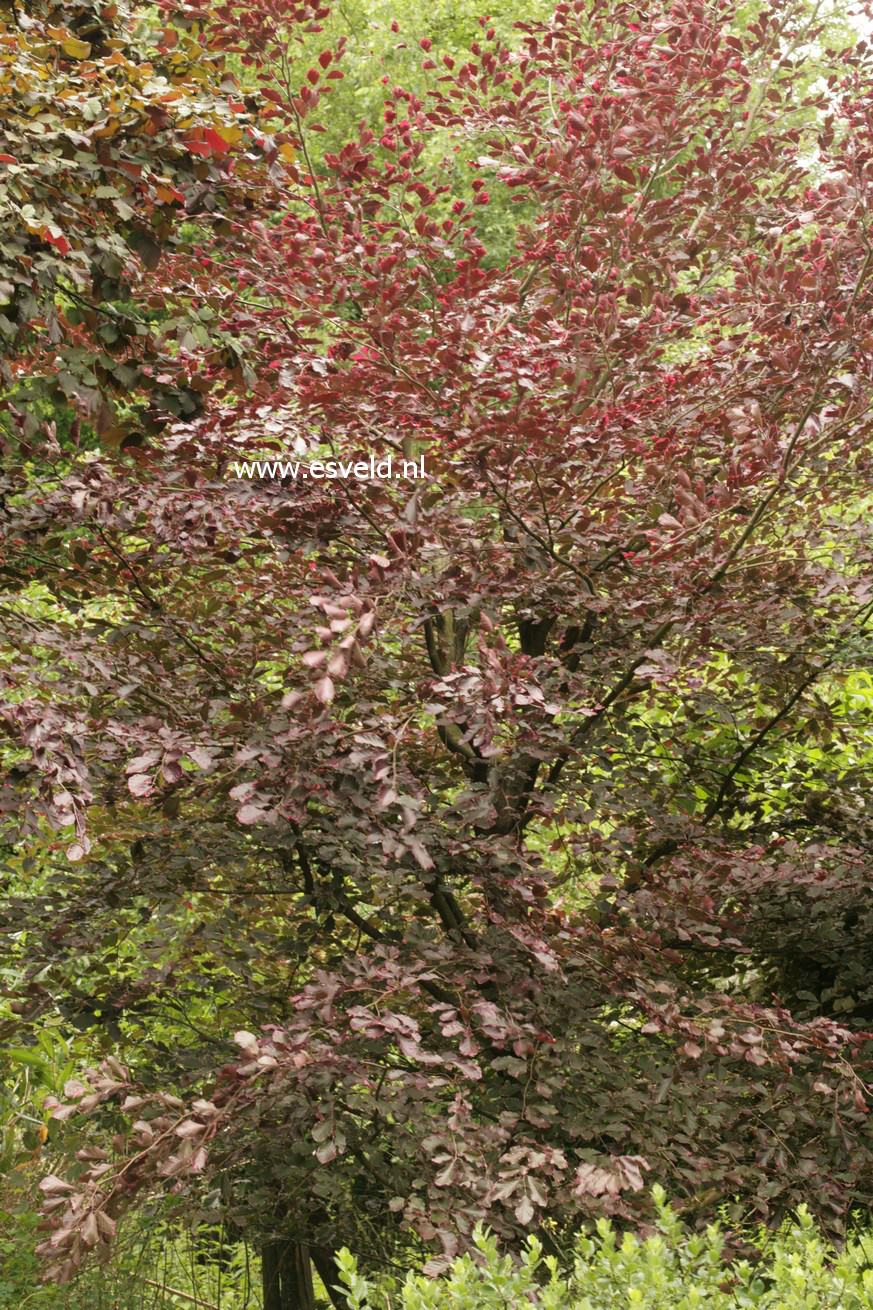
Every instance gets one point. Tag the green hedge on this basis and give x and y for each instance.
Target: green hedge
(671, 1270)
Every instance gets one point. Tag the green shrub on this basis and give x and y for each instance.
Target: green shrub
(157, 1266)
(672, 1268)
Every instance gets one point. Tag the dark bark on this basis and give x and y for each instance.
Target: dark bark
(286, 1275)
(325, 1264)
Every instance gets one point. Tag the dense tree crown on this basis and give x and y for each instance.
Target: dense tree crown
(460, 848)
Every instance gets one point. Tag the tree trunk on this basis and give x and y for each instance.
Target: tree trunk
(325, 1264)
(286, 1275)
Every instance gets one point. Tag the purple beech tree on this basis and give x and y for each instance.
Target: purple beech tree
(495, 841)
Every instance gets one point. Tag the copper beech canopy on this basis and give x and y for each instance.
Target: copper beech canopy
(502, 834)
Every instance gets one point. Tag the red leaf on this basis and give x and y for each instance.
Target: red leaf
(56, 239)
(216, 140)
(420, 854)
(250, 814)
(324, 689)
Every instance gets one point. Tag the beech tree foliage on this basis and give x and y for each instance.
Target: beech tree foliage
(111, 138)
(474, 847)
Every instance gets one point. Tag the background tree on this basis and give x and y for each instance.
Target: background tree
(471, 805)
(116, 140)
